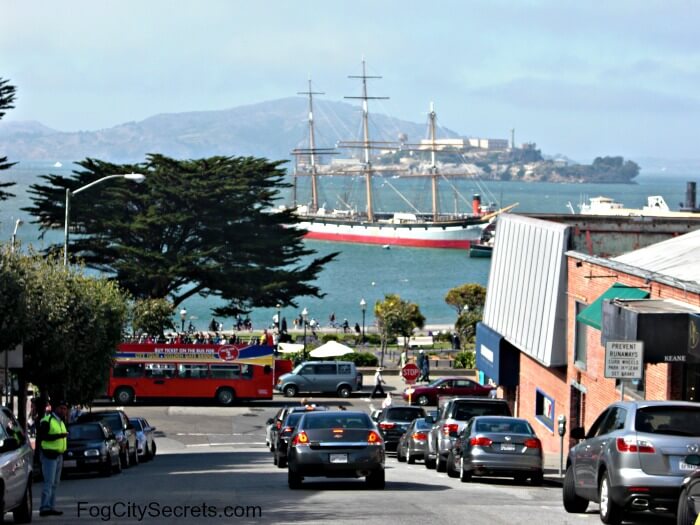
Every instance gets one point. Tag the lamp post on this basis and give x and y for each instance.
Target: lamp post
(279, 318)
(136, 177)
(18, 223)
(304, 315)
(183, 316)
(363, 307)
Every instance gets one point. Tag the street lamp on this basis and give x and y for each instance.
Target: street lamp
(363, 307)
(18, 223)
(183, 316)
(304, 315)
(136, 177)
(279, 318)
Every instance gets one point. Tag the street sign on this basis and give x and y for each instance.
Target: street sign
(410, 373)
(624, 359)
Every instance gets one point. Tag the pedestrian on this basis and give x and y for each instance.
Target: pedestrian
(52, 440)
(378, 382)
(419, 363)
(346, 326)
(403, 358)
(357, 328)
(387, 402)
(426, 369)
(493, 393)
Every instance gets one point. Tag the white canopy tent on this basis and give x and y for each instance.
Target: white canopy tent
(331, 349)
(289, 348)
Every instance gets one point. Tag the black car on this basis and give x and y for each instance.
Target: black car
(283, 437)
(117, 422)
(91, 447)
(393, 422)
(332, 444)
(274, 424)
(689, 500)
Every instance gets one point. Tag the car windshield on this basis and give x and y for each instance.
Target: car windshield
(293, 419)
(435, 383)
(85, 432)
(137, 424)
(296, 369)
(112, 421)
(511, 426)
(335, 420)
(422, 424)
(404, 414)
(669, 420)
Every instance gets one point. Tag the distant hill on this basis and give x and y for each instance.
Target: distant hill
(268, 129)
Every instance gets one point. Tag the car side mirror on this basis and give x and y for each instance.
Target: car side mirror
(693, 459)
(270, 421)
(153, 429)
(9, 444)
(577, 433)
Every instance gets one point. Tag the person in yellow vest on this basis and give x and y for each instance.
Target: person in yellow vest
(53, 441)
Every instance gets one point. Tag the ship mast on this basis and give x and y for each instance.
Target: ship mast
(433, 164)
(366, 142)
(312, 147)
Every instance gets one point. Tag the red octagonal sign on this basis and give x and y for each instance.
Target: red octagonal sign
(410, 373)
(228, 353)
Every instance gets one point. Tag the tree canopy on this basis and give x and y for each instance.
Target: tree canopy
(396, 317)
(204, 226)
(471, 295)
(7, 97)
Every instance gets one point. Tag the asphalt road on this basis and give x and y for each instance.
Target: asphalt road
(212, 462)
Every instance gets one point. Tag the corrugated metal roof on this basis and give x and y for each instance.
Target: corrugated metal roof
(678, 257)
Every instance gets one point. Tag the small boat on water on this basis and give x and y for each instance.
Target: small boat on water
(484, 247)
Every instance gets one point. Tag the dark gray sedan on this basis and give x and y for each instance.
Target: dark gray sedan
(338, 444)
(497, 446)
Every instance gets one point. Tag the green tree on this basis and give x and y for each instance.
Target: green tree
(193, 227)
(13, 322)
(7, 97)
(396, 317)
(468, 300)
(151, 316)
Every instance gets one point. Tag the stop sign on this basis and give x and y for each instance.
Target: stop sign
(410, 373)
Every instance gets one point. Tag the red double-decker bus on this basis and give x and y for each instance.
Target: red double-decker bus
(224, 373)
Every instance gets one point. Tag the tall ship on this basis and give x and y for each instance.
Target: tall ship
(433, 229)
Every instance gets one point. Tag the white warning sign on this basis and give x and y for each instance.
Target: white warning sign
(624, 359)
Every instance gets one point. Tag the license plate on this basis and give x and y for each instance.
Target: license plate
(684, 466)
(70, 463)
(339, 458)
(508, 447)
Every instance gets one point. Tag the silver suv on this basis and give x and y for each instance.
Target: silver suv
(632, 458)
(16, 465)
(453, 415)
(340, 377)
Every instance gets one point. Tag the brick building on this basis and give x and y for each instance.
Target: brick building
(549, 312)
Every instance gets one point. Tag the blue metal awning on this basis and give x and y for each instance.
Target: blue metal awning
(496, 357)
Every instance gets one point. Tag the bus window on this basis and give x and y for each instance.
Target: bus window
(128, 370)
(160, 370)
(247, 371)
(225, 371)
(193, 371)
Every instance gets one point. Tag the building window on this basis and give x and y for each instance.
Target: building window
(581, 340)
(544, 409)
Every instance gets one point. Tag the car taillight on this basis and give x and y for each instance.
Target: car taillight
(288, 430)
(300, 439)
(448, 429)
(532, 443)
(385, 426)
(480, 442)
(631, 444)
(373, 438)
(420, 436)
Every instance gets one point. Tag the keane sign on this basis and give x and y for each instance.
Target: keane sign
(624, 359)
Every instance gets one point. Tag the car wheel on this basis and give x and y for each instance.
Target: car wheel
(441, 464)
(153, 450)
(399, 456)
(118, 467)
(410, 459)
(537, 479)
(225, 397)
(274, 458)
(135, 457)
(124, 395)
(465, 476)
(290, 391)
(294, 480)
(125, 459)
(683, 516)
(281, 462)
(376, 479)
(610, 512)
(423, 400)
(429, 462)
(106, 470)
(451, 470)
(572, 502)
(23, 513)
(344, 391)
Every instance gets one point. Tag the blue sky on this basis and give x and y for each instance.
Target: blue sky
(578, 78)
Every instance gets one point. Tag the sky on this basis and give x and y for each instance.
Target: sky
(580, 79)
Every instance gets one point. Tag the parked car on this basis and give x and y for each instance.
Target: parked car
(340, 377)
(412, 443)
(453, 416)
(283, 436)
(393, 422)
(91, 447)
(689, 500)
(445, 386)
(16, 467)
(497, 446)
(336, 444)
(124, 431)
(274, 424)
(632, 458)
(145, 440)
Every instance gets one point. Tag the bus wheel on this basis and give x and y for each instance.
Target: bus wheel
(225, 396)
(124, 395)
